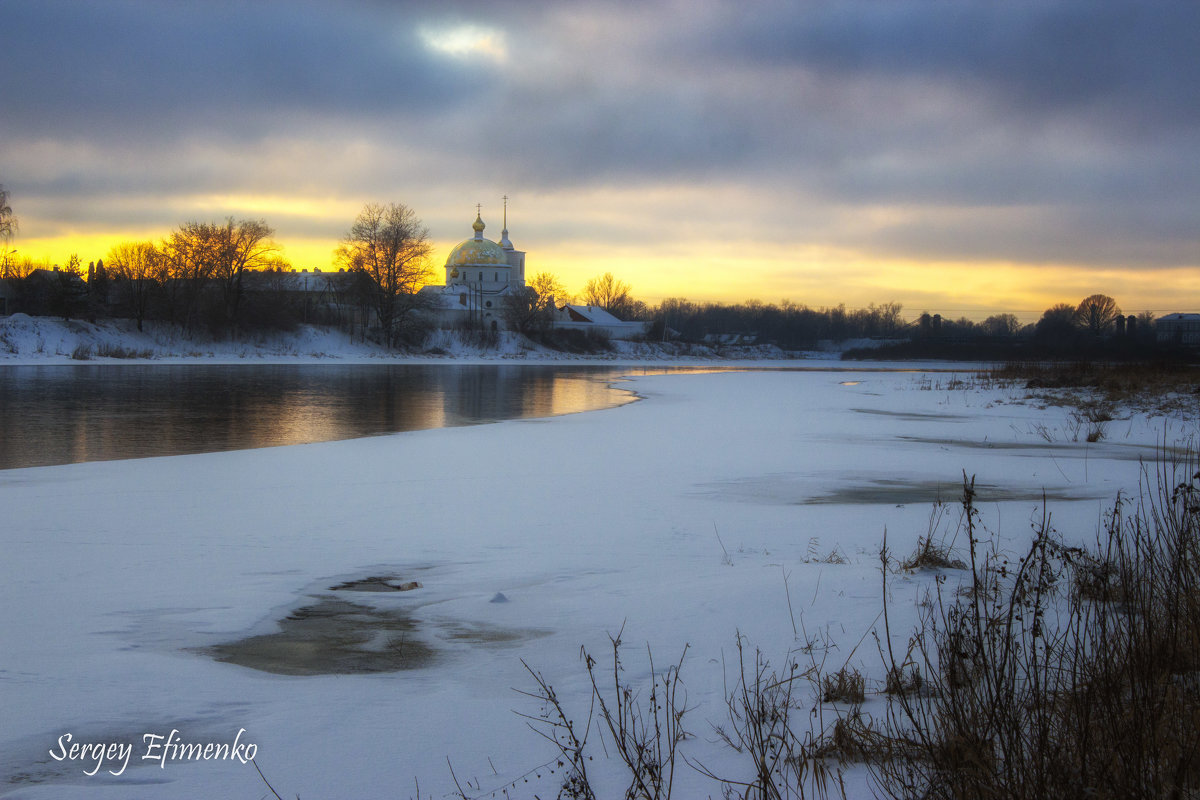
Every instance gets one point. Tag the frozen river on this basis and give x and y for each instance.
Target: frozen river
(238, 594)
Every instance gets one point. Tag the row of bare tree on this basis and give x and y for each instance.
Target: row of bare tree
(196, 275)
(389, 245)
(184, 268)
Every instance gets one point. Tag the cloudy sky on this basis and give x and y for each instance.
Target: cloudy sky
(957, 157)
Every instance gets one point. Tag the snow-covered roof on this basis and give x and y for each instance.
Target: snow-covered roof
(296, 281)
(451, 297)
(594, 314)
(1179, 317)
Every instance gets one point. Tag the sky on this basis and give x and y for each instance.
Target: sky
(962, 158)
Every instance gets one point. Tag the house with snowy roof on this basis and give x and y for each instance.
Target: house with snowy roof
(597, 320)
(1180, 329)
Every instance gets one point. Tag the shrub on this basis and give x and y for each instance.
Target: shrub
(106, 350)
(787, 761)
(645, 736)
(903, 679)
(1032, 691)
(933, 551)
(844, 686)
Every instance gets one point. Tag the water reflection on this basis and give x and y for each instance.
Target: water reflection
(67, 414)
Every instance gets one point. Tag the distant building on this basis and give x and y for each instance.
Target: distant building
(1180, 329)
(313, 296)
(596, 319)
(481, 275)
(8, 296)
(316, 287)
(54, 291)
(731, 339)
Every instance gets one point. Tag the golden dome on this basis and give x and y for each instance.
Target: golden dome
(477, 252)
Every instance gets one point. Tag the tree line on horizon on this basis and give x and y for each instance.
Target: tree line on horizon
(227, 276)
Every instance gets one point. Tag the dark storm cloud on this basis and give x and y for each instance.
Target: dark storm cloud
(1085, 115)
(222, 66)
(872, 102)
(1123, 57)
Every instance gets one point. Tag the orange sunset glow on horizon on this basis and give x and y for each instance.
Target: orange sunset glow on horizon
(821, 154)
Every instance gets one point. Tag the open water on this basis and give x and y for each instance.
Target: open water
(73, 413)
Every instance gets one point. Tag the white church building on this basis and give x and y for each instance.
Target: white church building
(480, 277)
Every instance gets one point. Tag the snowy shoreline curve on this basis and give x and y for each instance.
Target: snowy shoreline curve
(121, 577)
(26, 340)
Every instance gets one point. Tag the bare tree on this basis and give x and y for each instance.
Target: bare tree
(610, 294)
(245, 245)
(549, 289)
(22, 267)
(1002, 325)
(531, 308)
(1057, 320)
(523, 312)
(223, 252)
(8, 226)
(188, 268)
(1096, 314)
(887, 317)
(389, 245)
(138, 268)
(8, 223)
(198, 253)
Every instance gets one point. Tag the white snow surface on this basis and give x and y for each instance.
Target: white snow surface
(49, 340)
(676, 517)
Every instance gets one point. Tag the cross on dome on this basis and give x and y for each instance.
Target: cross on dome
(504, 242)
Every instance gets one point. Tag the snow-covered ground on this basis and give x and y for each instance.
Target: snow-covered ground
(677, 517)
(42, 340)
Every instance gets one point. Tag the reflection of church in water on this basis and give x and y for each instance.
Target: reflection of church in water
(480, 276)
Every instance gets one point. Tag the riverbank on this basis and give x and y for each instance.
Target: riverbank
(48, 340)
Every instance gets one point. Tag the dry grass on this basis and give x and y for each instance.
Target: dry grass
(105, 350)
(904, 679)
(1164, 385)
(854, 737)
(1067, 672)
(847, 685)
(935, 549)
(815, 556)
(644, 730)
(931, 555)
(1070, 673)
